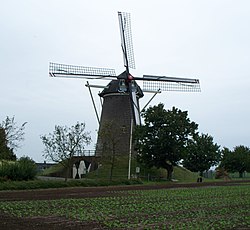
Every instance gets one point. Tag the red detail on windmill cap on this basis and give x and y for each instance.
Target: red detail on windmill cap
(130, 77)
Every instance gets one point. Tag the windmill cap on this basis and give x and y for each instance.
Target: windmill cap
(114, 86)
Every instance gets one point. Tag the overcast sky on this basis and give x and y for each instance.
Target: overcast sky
(208, 40)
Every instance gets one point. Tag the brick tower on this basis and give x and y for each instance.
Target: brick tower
(117, 113)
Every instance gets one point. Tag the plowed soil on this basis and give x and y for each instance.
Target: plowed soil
(8, 222)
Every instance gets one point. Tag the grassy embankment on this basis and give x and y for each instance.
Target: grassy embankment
(101, 177)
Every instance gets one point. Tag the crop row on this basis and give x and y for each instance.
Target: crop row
(203, 208)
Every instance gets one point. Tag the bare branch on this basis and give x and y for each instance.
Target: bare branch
(65, 142)
(14, 134)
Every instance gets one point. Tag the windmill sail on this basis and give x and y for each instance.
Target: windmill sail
(72, 71)
(136, 108)
(126, 39)
(164, 83)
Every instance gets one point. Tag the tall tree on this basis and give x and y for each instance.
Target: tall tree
(201, 153)
(64, 143)
(161, 141)
(5, 152)
(11, 136)
(237, 160)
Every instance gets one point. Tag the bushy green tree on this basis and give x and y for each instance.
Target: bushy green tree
(201, 154)
(64, 143)
(161, 141)
(237, 160)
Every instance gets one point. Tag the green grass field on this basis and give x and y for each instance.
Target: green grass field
(194, 208)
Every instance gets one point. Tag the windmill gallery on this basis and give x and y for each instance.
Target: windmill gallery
(120, 106)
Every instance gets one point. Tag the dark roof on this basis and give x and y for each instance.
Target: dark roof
(115, 86)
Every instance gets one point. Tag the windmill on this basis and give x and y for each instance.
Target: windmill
(121, 95)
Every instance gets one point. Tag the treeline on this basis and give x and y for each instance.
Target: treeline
(169, 138)
(166, 138)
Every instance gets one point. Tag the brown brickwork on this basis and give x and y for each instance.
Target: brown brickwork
(117, 112)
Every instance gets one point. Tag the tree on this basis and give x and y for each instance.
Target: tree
(64, 143)
(237, 160)
(5, 152)
(201, 153)
(11, 136)
(163, 138)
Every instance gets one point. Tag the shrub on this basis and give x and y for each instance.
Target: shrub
(23, 169)
(26, 168)
(7, 169)
(221, 173)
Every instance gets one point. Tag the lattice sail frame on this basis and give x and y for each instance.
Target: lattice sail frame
(170, 86)
(72, 71)
(164, 83)
(126, 39)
